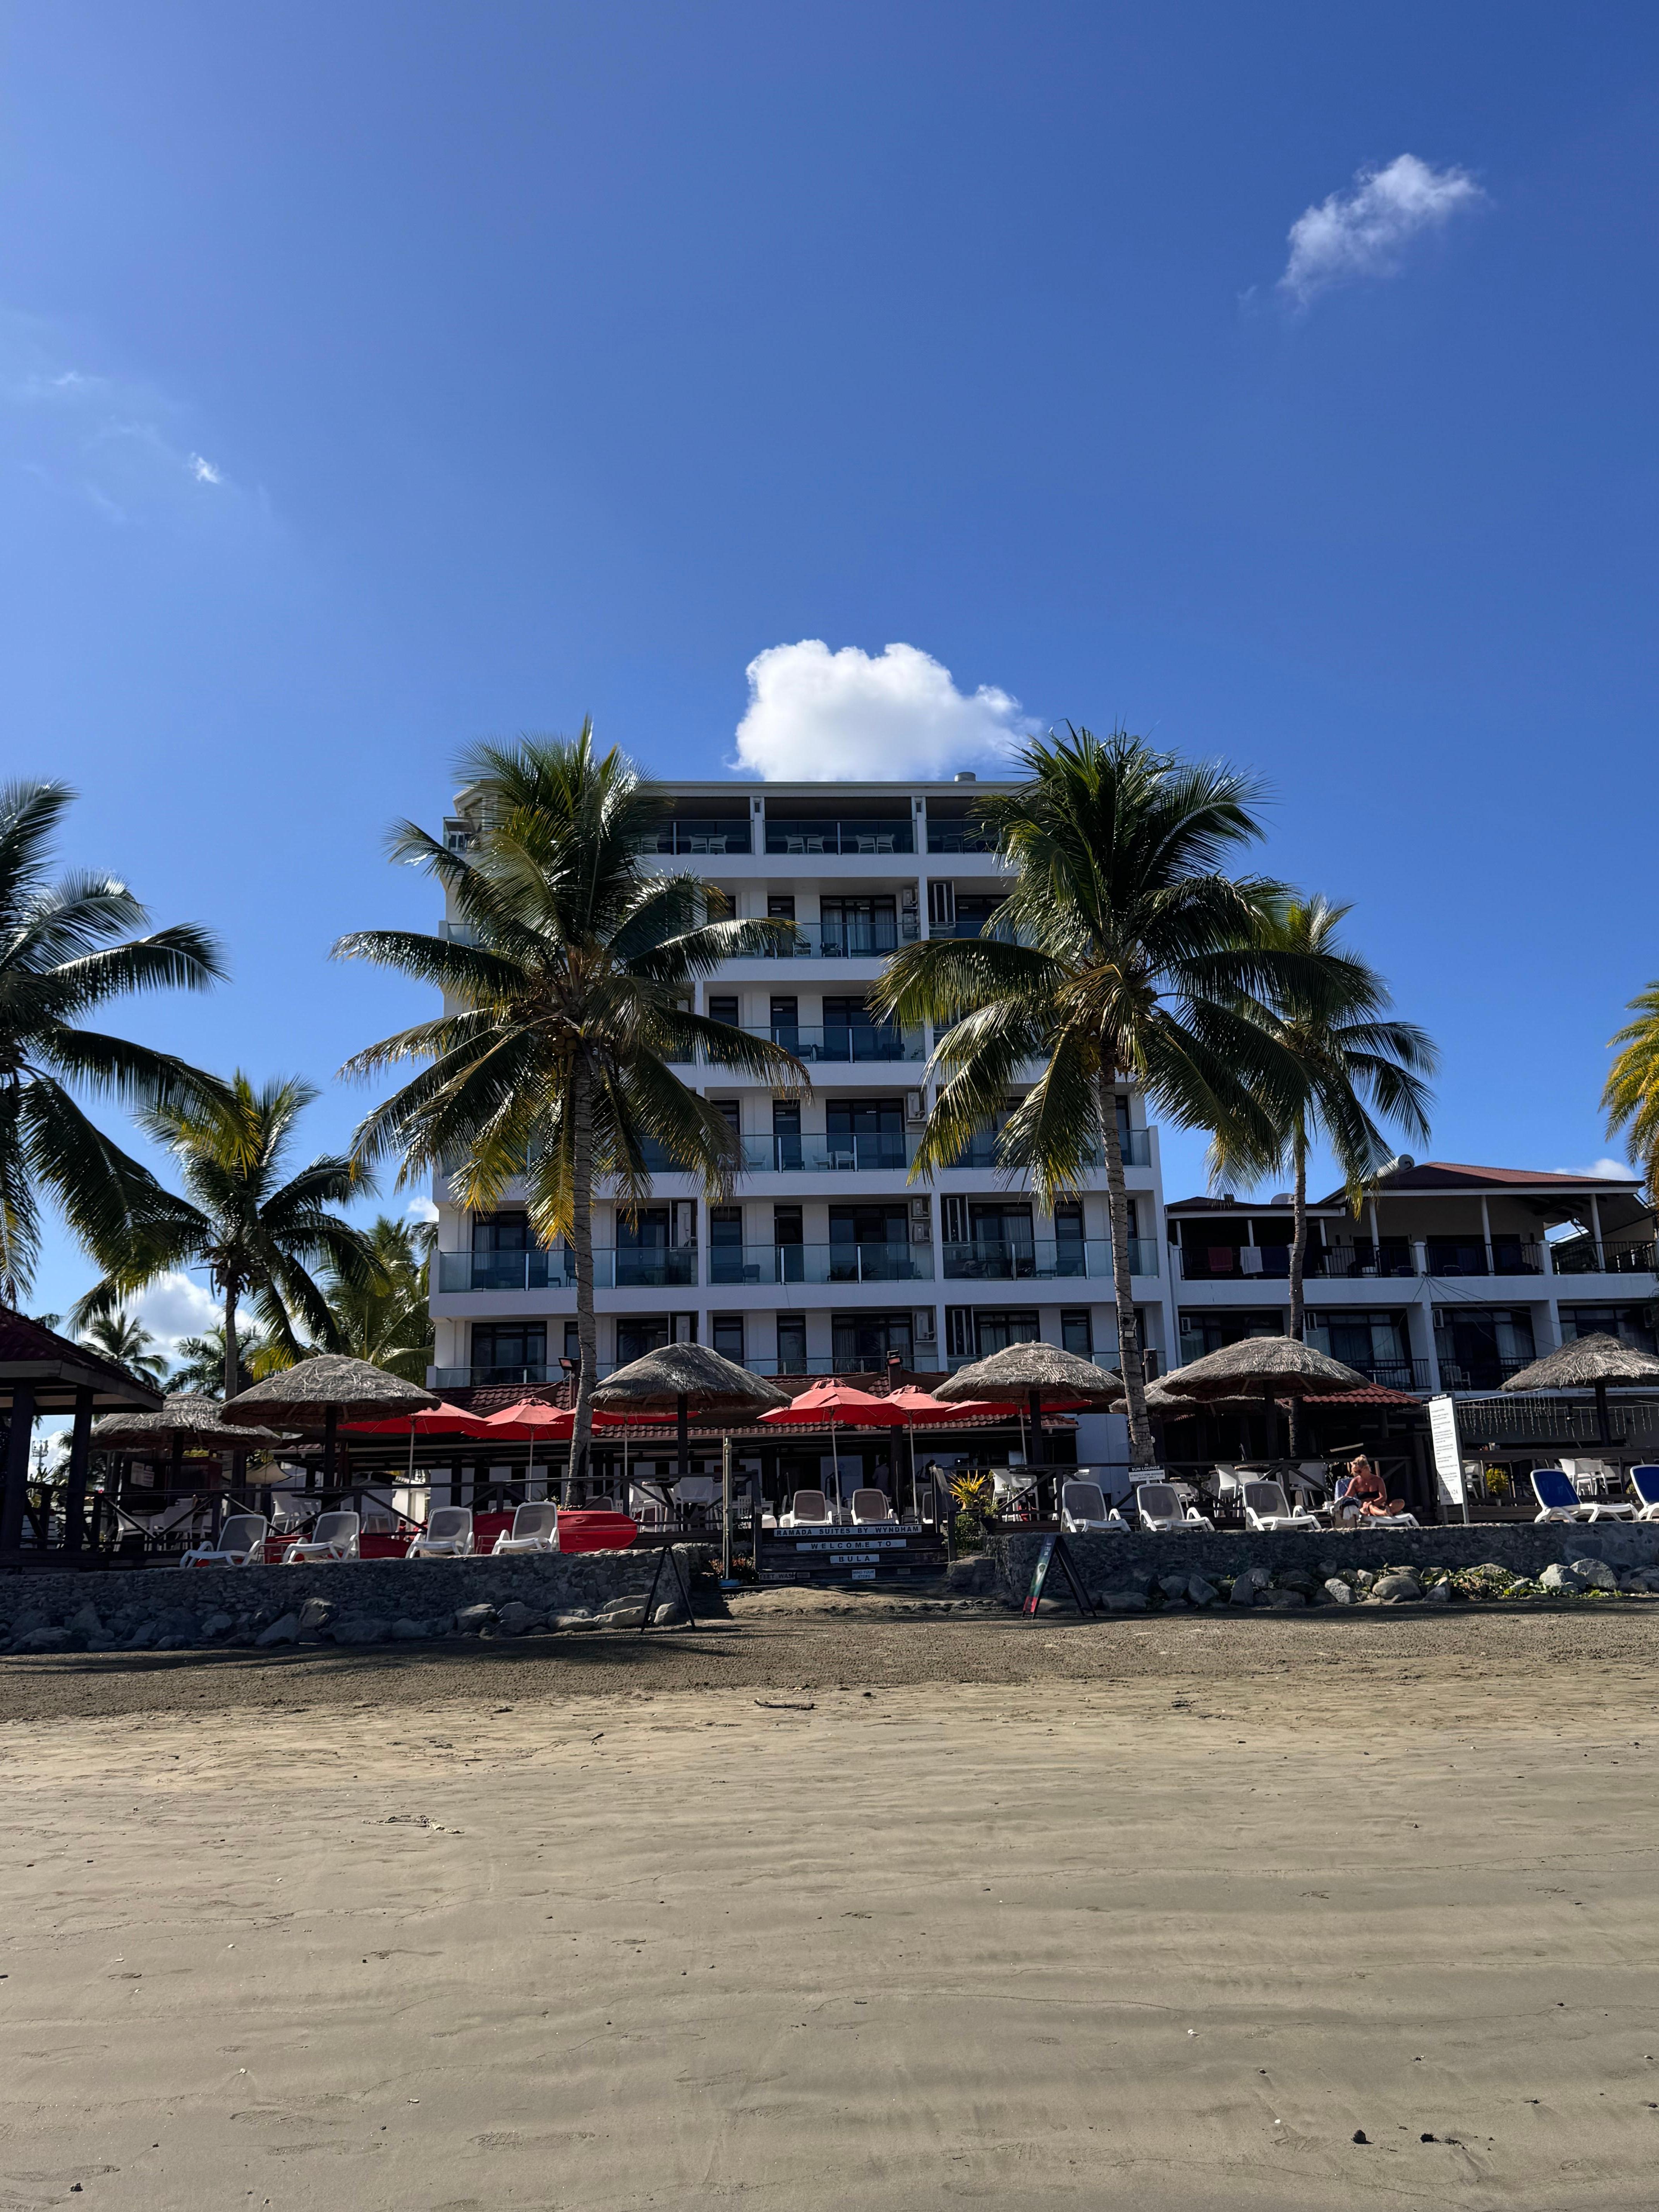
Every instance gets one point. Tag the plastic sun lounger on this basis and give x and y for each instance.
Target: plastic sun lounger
(535, 1529)
(1083, 1510)
(1354, 1518)
(241, 1544)
(1552, 1487)
(1645, 1481)
(446, 1536)
(1158, 1508)
(872, 1505)
(1266, 1507)
(808, 1509)
(335, 1538)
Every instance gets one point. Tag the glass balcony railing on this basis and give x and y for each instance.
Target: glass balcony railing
(958, 837)
(1044, 1259)
(638, 1267)
(814, 1152)
(841, 1043)
(721, 834)
(820, 1263)
(981, 1152)
(887, 835)
(846, 940)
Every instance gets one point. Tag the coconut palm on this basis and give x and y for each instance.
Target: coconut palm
(122, 1337)
(386, 1318)
(258, 1230)
(65, 950)
(1330, 1016)
(1122, 951)
(1631, 1097)
(200, 1372)
(568, 1012)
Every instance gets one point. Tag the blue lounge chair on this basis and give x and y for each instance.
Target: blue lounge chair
(1645, 1481)
(1553, 1489)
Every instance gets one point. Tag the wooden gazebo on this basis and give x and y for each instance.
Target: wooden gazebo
(42, 1373)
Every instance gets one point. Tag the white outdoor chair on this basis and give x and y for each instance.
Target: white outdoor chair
(807, 1508)
(241, 1544)
(593, 1505)
(446, 1536)
(1266, 1507)
(335, 1537)
(535, 1529)
(1158, 1508)
(872, 1505)
(1083, 1510)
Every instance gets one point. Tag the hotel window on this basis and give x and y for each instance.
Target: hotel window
(727, 1335)
(863, 1342)
(1077, 1333)
(725, 1009)
(792, 1344)
(510, 1352)
(971, 1332)
(638, 1333)
(1632, 1325)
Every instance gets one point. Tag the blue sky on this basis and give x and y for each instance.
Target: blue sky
(372, 378)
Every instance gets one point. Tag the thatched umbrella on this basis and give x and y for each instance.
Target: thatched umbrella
(1588, 1362)
(183, 1418)
(1278, 1366)
(677, 1377)
(1043, 1375)
(314, 1393)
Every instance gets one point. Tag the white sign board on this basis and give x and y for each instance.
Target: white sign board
(1448, 1458)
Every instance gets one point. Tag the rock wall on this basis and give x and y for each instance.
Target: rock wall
(354, 1601)
(1135, 1561)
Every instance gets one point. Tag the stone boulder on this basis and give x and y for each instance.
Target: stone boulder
(1285, 1600)
(1122, 1600)
(473, 1620)
(515, 1619)
(1595, 1574)
(1400, 1588)
(44, 1639)
(1560, 1581)
(217, 1624)
(1198, 1592)
(1249, 1586)
(316, 1614)
(1339, 1592)
(360, 1628)
(284, 1631)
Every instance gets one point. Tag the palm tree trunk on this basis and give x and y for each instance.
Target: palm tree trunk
(1128, 1331)
(581, 1227)
(1298, 1262)
(233, 1351)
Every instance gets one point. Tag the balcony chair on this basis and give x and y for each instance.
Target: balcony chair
(446, 1536)
(535, 1529)
(1158, 1509)
(241, 1544)
(808, 1509)
(335, 1537)
(1553, 1488)
(1084, 1511)
(1266, 1507)
(872, 1505)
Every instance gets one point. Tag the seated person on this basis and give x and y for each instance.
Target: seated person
(1366, 1496)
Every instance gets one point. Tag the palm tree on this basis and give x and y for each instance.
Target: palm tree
(1331, 1018)
(257, 1234)
(64, 951)
(123, 1338)
(568, 1011)
(1122, 951)
(1631, 1097)
(386, 1318)
(201, 1369)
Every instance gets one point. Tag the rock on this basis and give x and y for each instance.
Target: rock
(623, 1616)
(172, 1642)
(1364, 1577)
(407, 1632)
(44, 1639)
(1559, 1581)
(285, 1631)
(103, 1641)
(1439, 1594)
(359, 1628)
(85, 1622)
(1297, 1579)
(142, 1637)
(316, 1614)
(1122, 1600)
(625, 1603)
(671, 1615)
(1595, 1574)
(1174, 1585)
(1247, 1585)
(572, 1620)
(1285, 1600)
(1198, 1592)
(517, 1619)
(473, 1620)
(975, 1577)
(1339, 1592)
(1397, 1589)
(217, 1624)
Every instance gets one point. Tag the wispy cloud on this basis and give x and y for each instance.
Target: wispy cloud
(817, 716)
(203, 471)
(173, 1307)
(1366, 232)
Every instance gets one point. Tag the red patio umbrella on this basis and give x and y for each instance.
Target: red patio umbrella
(830, 1405)
(442, 1420)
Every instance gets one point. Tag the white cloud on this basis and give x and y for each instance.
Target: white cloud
(175, 1307)
(1620, 1171)
(423, 1209)
(1364, 232)
(204, 471)
(819, 716)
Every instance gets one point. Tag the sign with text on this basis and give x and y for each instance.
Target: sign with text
(1447, 1453)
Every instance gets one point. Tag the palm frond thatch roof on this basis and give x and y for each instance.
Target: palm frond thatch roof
(704, 1378)
(198, 1420)
(1019, 1370)
(1277, 1365)
(1582, 1363)
(303, 1395)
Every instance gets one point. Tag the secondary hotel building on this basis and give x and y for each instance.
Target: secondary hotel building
(828, 1258)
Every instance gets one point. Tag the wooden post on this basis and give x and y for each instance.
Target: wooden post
(726, 1508)
(74, 1502)
(19, 1437)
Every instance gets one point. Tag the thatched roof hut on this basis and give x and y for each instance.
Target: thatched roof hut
(1584, 1363)
(314, 1393)
(676, 1377)
(1044, 1375)
(1277, 1367)
(185, 1418)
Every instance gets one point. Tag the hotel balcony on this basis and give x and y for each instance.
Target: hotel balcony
(737, 1264)
(637, 1267)
(816, 1153)
(1044, 1259)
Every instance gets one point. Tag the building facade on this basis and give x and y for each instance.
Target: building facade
(829, 1257)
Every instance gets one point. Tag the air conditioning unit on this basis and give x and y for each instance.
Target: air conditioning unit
(924, 1325)
(921, 1221)
(916, 1106)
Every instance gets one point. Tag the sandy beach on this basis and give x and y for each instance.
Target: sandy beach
(823, 1910)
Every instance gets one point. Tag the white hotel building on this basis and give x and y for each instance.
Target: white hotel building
(828, 1258)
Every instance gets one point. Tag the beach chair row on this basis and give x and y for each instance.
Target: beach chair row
(446, 1536)
(1558, 1500)
(1159, 1510)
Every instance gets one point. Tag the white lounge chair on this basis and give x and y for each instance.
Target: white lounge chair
(1158, 1508)
(1083, 1510)
(241, 1544)
(872, 1505)
(1553, 1488)
(335, 1537)
(807, 1508)
(1267, 1507)
(446, 1536)
(535, 1529)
